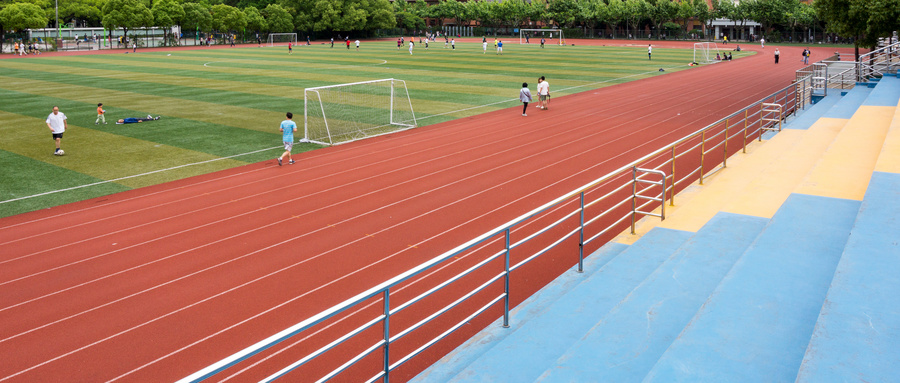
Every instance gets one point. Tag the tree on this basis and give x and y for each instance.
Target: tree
(563, 12)
(278, 20)
(166, 14)
(616, 14)
(591, 13)
(126, 14)
(21, 16)
(196, 17)
(255, 20)
(769, 13)
(660, 12)
(87, 11)
(846, 18)
(226, 18)
(635, 11)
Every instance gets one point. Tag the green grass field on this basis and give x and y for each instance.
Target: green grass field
(221, 107)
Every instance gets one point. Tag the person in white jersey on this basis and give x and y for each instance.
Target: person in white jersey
(543, 89)
(410, 46)
(57, 123)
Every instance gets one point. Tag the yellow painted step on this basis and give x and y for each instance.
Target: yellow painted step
(774, 185)
(741, 187)
(889, 159)
(846, 167)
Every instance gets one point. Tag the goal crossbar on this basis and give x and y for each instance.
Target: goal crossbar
(705, 53)
(336, 114)
(560, 39)
(282, 38)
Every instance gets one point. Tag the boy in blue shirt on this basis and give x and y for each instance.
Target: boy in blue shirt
(288, 127)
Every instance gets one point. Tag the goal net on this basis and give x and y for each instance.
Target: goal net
(705, 53)
(533, 36)
(348, 112)
(282, 39)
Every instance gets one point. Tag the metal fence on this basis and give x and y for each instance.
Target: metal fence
(559, 231)
(878, 62)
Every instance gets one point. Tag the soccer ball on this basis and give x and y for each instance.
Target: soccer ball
(61, 152)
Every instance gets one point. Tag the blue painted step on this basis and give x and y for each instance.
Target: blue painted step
(886, 93)
(526, 353)
(756, 325)
(849, 103)
(465, 354)
(858, 330)
(808, 117)
(631, 338)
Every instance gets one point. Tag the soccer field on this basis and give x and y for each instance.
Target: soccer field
(221, 107)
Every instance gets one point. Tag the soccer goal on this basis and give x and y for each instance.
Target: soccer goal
(705, 53)
(552, 36)
(282, 39)
(343, 113)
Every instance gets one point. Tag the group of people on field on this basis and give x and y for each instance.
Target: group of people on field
(543, 89)
(22, 49)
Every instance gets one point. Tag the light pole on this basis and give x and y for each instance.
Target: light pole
(58, 33)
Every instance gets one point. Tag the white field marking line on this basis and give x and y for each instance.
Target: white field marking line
(215, 180)
(319, 255)
(447, 143)
(131, 268)
(358, 310)
(258, 228)
(365, 237)
(398, 252)
(347, 244)
(516, 99)
(224, 203)
(136, 175)
(260, 150)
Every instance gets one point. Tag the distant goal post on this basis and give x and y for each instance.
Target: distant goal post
(342, 113)
(705, 53)
(278, 39)
(553, 36)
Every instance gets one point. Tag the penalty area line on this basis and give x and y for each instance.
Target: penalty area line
(135, 175)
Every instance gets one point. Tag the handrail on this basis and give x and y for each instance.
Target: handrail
(877, 58)
(748, 119)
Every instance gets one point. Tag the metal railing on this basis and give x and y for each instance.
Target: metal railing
(589, 215)
(878, 62)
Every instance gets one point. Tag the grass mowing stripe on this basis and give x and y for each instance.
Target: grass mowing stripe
(234, 116)
(23, 177)
(98, 154)
(193, 135)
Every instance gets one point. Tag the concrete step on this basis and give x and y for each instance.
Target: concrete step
(858, 329)
(471, 350)
(757, 323)
(631, 338)
(526, 353)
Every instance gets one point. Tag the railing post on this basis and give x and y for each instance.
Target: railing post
(745, 130)
(387, 335)
(760, 119)
(506, 284)
(725, 145)
(581, 238)
(633, 195)
(672, 200)
(702, 153)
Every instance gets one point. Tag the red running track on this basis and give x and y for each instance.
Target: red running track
(156, 283)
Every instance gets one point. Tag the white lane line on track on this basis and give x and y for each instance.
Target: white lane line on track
(585, 170)
(261, 150)
(354, 241)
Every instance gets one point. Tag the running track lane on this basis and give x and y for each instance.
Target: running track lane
(140, 285)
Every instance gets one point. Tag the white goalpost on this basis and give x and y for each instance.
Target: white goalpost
(282, 39)
(705, 53)
(343, 113)
(552, 36)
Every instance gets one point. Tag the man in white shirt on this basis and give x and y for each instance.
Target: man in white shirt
(543, 89)
(57, 123)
